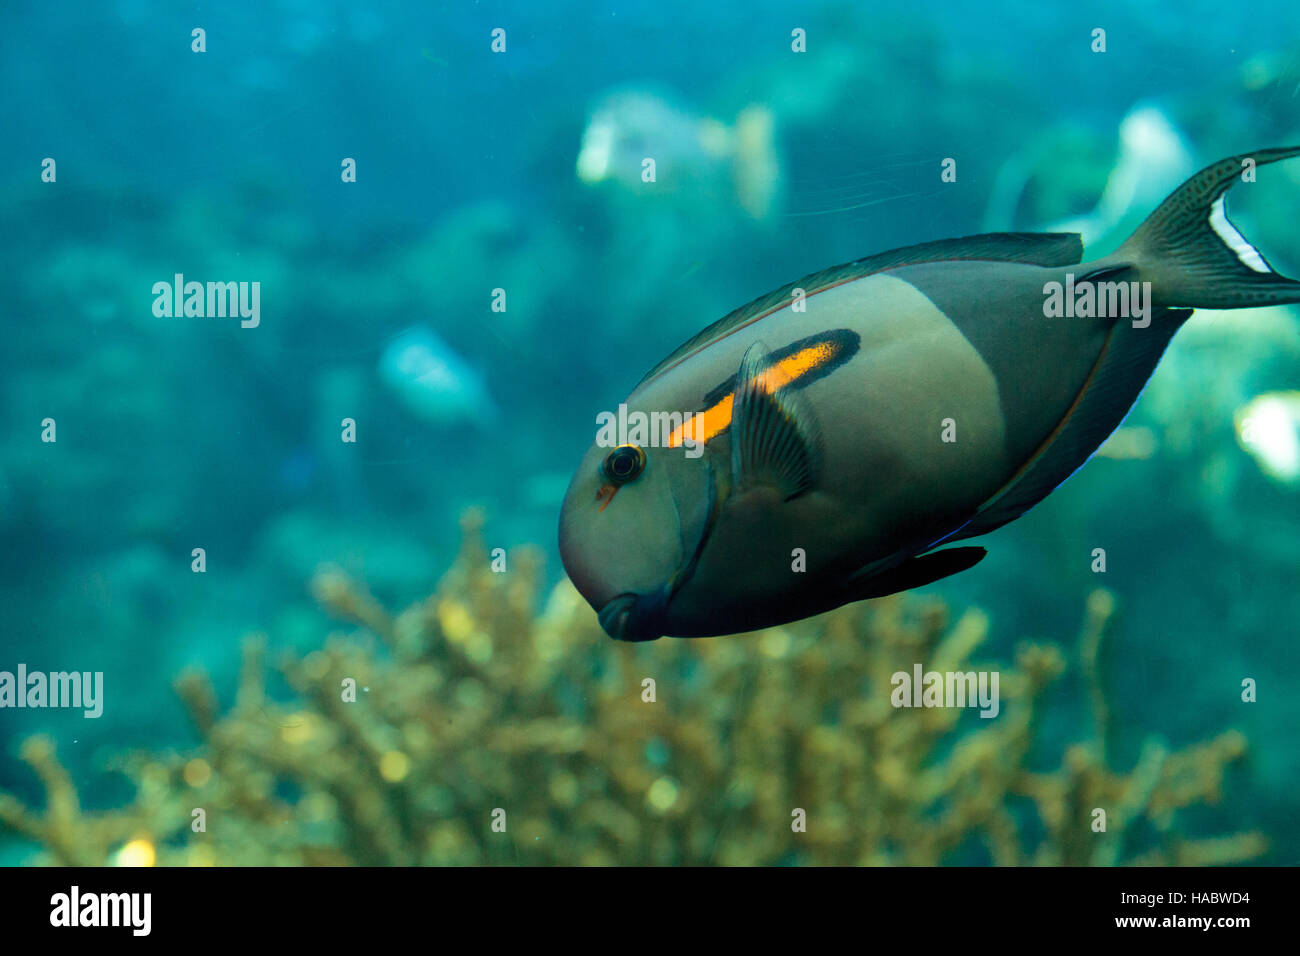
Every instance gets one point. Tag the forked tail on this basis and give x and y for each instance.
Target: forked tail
(1194, 257)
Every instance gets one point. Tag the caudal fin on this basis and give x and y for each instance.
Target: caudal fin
(1194, 257)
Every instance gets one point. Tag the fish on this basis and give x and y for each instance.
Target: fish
(834, 440)
(1268, 429)
(698, 156)
(434, 382)
(1130, 443)
(1152, 159)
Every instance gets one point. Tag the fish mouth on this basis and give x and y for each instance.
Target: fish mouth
(634, 617)
(631, 616)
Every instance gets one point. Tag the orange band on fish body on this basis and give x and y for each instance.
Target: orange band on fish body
(706, 425)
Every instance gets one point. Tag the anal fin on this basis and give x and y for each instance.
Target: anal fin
(916, 572)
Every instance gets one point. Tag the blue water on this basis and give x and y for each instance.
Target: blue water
(184, 432)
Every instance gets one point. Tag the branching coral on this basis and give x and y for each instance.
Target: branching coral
(484, 732)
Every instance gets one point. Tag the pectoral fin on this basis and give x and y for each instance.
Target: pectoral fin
(915, 572)
(775, 439)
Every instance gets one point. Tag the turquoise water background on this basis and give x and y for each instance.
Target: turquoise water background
(182, 433)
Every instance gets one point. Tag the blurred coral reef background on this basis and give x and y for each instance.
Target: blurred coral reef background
(470, 707)
(521, 174)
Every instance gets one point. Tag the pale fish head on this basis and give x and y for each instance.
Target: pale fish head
(632, 525)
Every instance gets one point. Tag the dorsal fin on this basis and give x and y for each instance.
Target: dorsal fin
(1034, 248)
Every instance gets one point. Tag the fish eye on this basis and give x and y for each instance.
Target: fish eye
(623, 464)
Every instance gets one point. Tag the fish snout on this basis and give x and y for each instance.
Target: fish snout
(634, 617)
